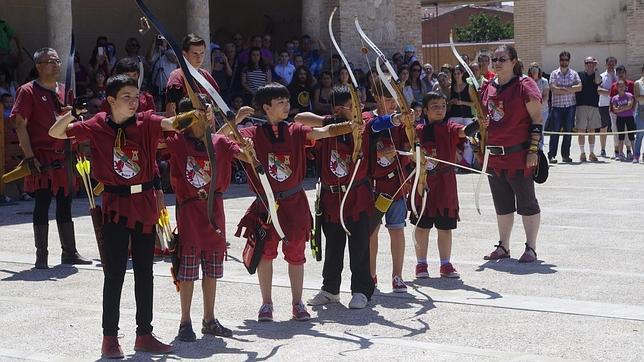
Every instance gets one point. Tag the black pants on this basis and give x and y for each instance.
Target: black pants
(358, 256)
(117, 238)
(628, 123)
(41, 207)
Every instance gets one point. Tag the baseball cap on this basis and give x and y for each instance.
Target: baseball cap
(409, 49)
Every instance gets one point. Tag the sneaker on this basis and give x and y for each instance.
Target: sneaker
(358, 301)
(636, 159)
(620, 157)
(602, 153)
(111, 348)
(215, 328)
(566, 159)
(448, 271)
(149, 343)
(265, 313)
(25, 197)
(300, 313)
(592, 157)
(186, 334)
(323, 297)
(552, 160)
(629, 155)
(5, 199)
(398, 285)
(616, 156)
(582, 157)
(421, 271)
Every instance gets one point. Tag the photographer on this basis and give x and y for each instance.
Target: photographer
(163, 61)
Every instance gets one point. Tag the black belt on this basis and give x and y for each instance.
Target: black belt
(126, 190)
(336, 189)
(281, 195)
(502, 150)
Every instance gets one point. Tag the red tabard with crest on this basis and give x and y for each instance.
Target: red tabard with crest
(509, 120)
(284, 159)
(336, 166)
(387, 168)
(190, 175)
(132, 164)
(440, 140)
(39, 106)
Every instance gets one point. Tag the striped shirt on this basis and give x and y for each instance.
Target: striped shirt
(255, 79)
(565, 80)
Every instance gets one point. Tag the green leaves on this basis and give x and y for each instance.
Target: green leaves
(484, 28)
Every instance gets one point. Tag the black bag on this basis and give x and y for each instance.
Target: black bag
(252, 253)
(541, 171)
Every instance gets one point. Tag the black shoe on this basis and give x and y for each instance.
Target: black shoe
(186, 334)
(75, 259)
(566, 159)
(215, 328)
(552, 160)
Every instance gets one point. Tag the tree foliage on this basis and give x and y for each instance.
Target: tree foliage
(483, 28)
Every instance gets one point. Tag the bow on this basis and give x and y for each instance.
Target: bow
(356, 118)
(193, 78)
(70, 94)
(481, 113)
(393, 85)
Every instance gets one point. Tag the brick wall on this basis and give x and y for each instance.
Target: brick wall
(529, 29)
(437, 28)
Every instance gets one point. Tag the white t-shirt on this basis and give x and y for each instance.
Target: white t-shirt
(607, 81)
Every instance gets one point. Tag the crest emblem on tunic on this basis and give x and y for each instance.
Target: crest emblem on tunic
(431, 164)
(125, 162)
(197, 171)
(279, 166)
(339, 163)
(495, 110)
(385, 153)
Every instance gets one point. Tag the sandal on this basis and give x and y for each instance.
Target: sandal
(528, 257)
(496, 255)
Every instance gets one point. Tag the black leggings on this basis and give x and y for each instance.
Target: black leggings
(117, 238)
(41, 207)
(336, 240)
(626, 122)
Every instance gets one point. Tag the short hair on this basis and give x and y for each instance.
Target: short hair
(40, 53)
(192, 40)
(5, 95)
(379, 89)
(565, 53)
(620, 68)
(483, 56)
(282, 51)
(185, 104)
(611, 58)
(117, 82)
(340, 94)
(266, 94)
(126, 65)
(431, 96)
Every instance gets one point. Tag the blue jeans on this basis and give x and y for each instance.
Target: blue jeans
(561, 118)
(639, 124)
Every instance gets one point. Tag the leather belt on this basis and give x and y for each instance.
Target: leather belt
(503, 151)
(281, 195)
(126, 190)
(336, 189)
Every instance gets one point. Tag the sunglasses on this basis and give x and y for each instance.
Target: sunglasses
(500, 60)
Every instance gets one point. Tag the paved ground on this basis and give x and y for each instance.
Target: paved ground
(584, 299)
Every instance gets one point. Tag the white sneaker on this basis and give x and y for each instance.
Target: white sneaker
(358, 301)
(323, 297)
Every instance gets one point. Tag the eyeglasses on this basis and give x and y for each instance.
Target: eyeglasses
(564, 59)
(500, 60)
(52, 61)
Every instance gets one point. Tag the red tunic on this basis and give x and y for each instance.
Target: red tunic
(387, 168)
(284, 159)
(336, 166)
(131, 165)
(509, 120)
(39, 106)
(190, 172)
(440, 140)
(146, 103)
(175, 81)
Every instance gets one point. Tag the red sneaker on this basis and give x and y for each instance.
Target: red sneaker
(421, 271)
(448, 271)
(149, 343)
(265, 313)
(398, 285)
(111, 348)
(300, 313)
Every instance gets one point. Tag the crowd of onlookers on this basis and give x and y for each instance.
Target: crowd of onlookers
(586, 100)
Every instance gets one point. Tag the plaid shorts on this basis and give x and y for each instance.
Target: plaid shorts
(212, 266)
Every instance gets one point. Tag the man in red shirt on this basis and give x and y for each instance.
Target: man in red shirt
(37, 104)
(194, 50)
